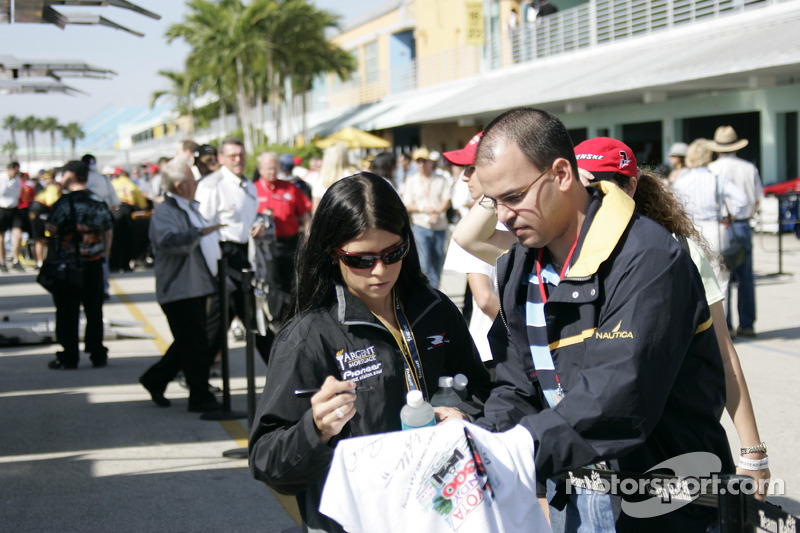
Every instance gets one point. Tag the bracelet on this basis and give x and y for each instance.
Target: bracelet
(749, 464)
(761, 448)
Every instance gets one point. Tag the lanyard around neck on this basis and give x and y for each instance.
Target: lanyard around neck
(563, 269)
(415, 377)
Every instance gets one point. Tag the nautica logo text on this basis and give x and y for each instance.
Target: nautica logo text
(614, 333)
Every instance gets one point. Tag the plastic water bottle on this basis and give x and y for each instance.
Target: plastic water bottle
(446, 396)
(460, 385)
(416, 413)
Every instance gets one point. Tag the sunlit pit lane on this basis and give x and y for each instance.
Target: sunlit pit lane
(139, 460)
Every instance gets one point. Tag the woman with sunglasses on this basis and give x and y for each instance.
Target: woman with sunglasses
(365, 327)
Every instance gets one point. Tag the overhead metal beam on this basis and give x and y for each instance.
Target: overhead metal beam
(124, 4)
(13, 68)
(97, 20)
(37, 87)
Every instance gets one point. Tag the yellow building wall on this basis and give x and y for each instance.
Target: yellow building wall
(447, 136)
(357, 38)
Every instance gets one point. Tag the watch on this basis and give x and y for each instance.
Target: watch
(761, 448)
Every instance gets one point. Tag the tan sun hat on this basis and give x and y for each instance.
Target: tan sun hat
(726, 140)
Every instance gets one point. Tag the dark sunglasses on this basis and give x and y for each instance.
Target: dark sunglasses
(391, 256)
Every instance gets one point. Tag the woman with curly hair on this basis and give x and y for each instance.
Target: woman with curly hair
(602, 161)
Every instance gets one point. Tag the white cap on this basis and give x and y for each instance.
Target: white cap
(460, 381)
(414, 398)
(445, 381)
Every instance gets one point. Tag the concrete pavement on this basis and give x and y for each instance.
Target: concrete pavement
(88, 451)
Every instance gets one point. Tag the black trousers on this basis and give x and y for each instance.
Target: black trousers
(68, 303)
(285, 249)
(236, 254)
(189, 351)
(122, 245)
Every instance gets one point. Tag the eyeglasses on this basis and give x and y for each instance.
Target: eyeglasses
(511, 201)
(389, 257)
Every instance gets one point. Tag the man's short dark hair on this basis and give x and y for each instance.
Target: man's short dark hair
(188, 146)
(541, 137)
(12, 164)
(230, 140)
(78, 168)
(88, 160)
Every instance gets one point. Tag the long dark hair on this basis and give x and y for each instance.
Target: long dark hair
(349, 207)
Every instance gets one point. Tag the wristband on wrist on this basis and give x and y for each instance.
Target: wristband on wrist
(750, 464)
(761, 448)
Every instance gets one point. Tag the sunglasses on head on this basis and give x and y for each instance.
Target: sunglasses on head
(389, 257)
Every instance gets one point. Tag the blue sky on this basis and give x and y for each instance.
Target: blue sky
(135, 59)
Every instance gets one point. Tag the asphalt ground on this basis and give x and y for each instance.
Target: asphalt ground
(87, 450)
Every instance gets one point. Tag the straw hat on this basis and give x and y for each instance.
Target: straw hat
(726, 140)
(678, 149)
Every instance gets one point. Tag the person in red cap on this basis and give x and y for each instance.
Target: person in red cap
(599, 159)
(605, 332)
(480, 274)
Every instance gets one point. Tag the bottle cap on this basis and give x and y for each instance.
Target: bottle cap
(445, 381)
(414, 398)
(460, 381)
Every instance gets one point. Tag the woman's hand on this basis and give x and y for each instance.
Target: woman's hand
(447, 413)
(333, 407)
(762, 479)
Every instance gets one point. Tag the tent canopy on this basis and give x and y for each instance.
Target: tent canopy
(354, 138)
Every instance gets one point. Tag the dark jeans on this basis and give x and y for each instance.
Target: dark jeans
(746, 293)
(189, 351)
(68, 303)
(236, 254)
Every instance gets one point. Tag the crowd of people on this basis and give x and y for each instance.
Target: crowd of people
(599, 318)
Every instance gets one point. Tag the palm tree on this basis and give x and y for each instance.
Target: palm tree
(50, 125)
(251, 50)
(315, 55)
(29, 125)
(11, 123)
(224, 36)
(73, 132)
(182, 89)
(10, 148)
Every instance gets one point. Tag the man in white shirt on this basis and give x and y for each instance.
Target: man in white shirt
(427, 198)
(745, 176)
(10, 185)
(101, 186)
(227, 197)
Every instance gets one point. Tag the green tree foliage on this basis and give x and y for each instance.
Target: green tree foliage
(262, 50)
(73, 132)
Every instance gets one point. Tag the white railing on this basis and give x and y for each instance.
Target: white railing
(594, 23)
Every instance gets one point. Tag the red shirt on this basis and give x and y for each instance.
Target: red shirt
(26, 194)
(287, 203)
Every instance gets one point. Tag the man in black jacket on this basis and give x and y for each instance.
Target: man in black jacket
(81, 225)
(603, 344)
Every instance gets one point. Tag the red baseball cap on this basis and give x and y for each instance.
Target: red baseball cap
(465, 156)
(118, 171)
(604, 157)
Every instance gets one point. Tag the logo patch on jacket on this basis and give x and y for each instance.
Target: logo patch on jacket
(614, 333)
(437, 340)
(359, 364)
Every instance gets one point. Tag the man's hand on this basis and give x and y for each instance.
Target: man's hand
(448, 413)
(258, 231)
(211, 229)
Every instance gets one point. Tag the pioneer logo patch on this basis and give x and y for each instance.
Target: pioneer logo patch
(359, 364)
